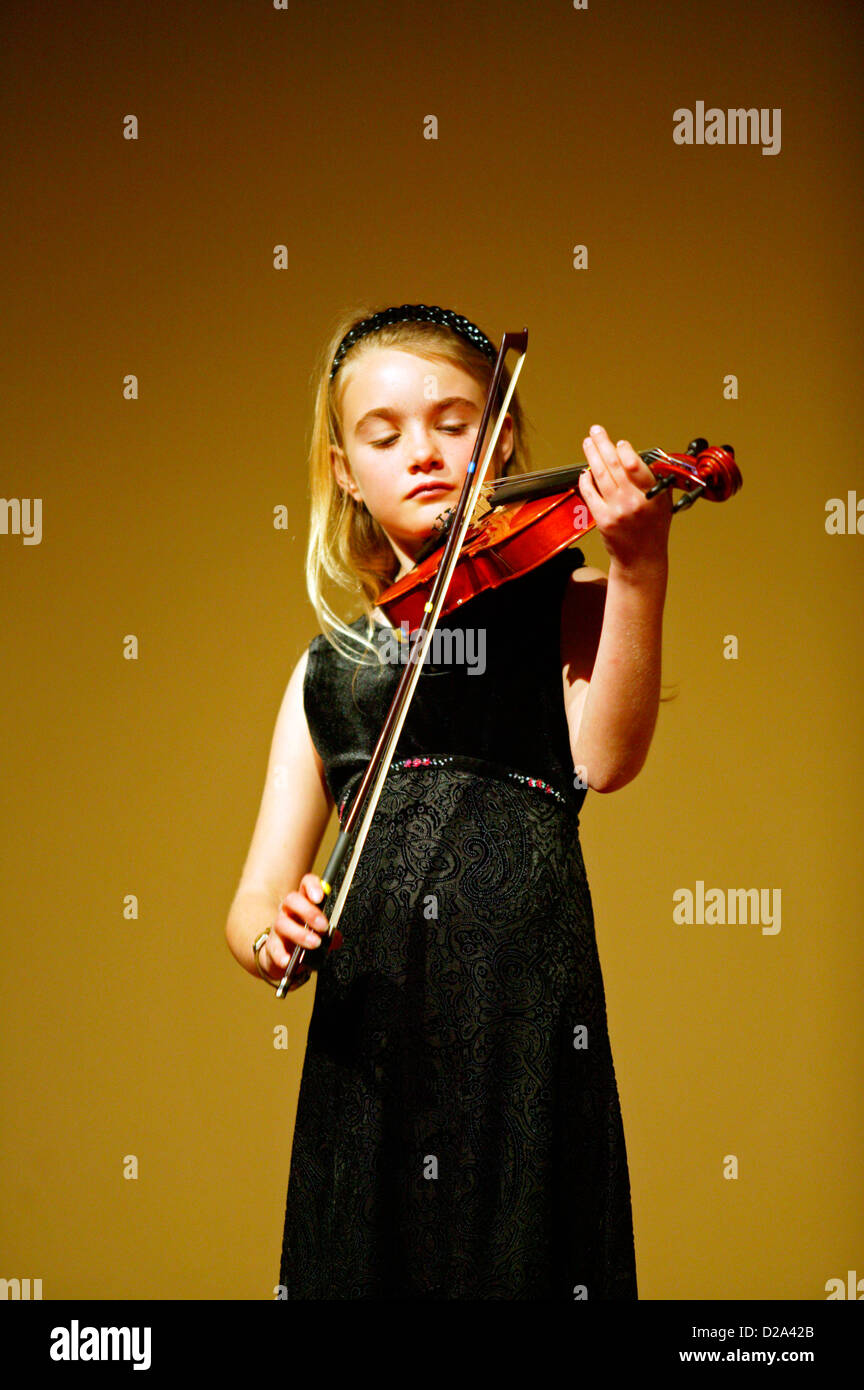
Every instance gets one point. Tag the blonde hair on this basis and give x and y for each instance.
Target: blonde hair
(345, 542)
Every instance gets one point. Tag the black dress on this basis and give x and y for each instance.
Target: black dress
(458, 1130)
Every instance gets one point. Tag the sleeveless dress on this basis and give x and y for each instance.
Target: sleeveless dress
(458, 1130)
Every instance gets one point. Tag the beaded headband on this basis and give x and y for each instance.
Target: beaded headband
(415, 313)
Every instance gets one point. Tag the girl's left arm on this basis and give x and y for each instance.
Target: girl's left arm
(612, 650)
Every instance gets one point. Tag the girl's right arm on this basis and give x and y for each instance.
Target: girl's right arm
(276, 890)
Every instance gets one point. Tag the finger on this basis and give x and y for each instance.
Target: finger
(290, 934)
(602, 479)
(276, 953)
(636, 469)
(312, 886)
(299, 905)
(596, 467)
(607, 452)
(586, 484)
(282, 943)
(591, 497)
(296, 912)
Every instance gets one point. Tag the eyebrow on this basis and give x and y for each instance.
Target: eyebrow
(384, 413)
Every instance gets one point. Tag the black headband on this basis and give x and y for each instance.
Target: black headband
(415, 313)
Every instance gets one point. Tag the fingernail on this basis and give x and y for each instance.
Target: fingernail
(596, 429)
(317, 894)
(322, 922)
(312, 939)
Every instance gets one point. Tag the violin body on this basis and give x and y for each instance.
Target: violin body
(512, 540)
(517, 535)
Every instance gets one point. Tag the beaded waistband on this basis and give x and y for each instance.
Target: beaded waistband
(399, 763)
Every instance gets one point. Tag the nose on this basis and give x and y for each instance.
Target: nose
(424, 450)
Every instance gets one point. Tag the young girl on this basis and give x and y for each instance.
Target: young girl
(458, 1130)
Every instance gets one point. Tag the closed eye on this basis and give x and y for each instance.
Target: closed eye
(391, 439)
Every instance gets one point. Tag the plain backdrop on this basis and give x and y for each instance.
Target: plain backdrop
(304, 127)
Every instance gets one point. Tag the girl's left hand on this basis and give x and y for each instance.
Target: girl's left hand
(635, 530)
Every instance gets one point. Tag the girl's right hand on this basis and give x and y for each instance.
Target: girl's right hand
(300, 923)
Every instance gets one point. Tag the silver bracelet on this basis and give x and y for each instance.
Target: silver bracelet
(256, 947)
(300, 977)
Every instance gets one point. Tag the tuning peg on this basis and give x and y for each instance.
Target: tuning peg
(696, 446)
(727, 448)
(689, 498)
(668, 481)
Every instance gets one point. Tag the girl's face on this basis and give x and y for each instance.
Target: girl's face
(409, 423)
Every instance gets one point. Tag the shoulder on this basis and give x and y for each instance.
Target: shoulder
(298, 675)
(293, 699)
(587, 574)
(586, 585)
(318, 651)
(571, 563)
(330, 660)
(582, 608)
(303, 679)
(310, 669)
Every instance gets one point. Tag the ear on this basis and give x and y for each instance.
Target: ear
(342, 473)
(505, 439)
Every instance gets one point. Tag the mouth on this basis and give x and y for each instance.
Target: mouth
(430, 490)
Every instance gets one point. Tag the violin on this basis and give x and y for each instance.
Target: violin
(519, 523)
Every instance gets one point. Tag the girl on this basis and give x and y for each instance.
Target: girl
(458, 1130)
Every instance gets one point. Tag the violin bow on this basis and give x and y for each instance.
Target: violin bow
(379, 763)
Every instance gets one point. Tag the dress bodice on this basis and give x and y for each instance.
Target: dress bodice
(490, 689)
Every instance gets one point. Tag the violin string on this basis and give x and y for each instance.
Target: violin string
(542, 474)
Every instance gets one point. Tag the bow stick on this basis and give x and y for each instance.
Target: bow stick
(379, 762)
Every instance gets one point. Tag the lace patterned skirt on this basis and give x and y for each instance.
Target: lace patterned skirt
(458, 1130)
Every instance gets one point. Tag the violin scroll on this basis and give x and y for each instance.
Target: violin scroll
(713, 472)
(718, 471)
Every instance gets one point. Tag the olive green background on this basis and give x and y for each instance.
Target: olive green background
(304, 127)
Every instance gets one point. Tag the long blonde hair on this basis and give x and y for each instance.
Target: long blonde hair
(345, 542)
